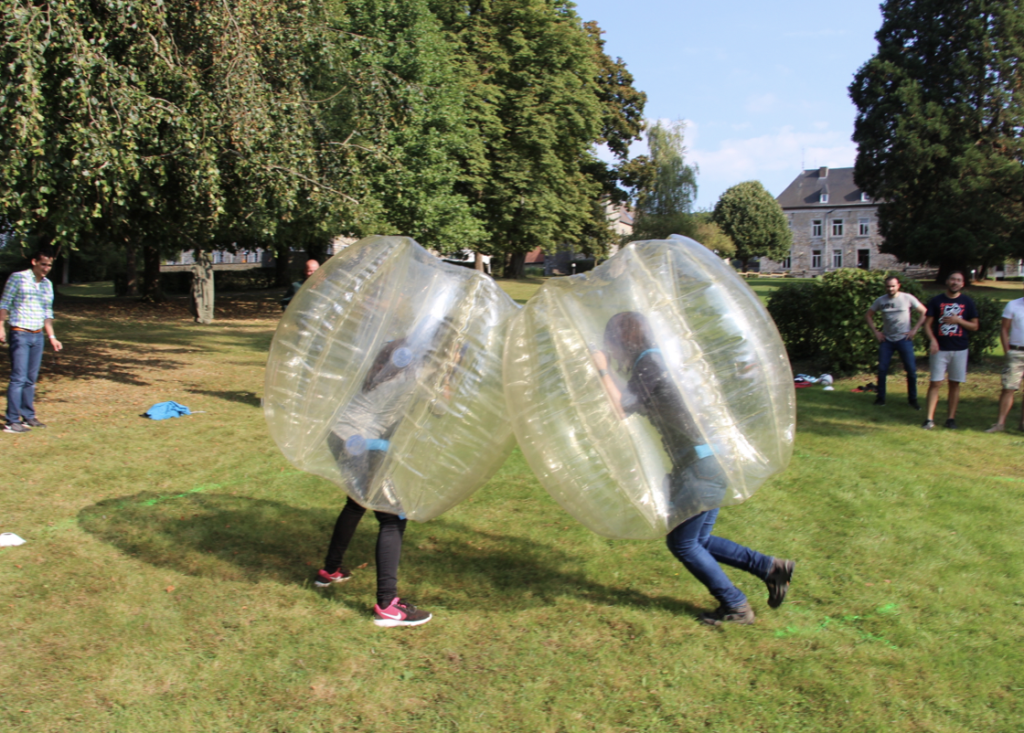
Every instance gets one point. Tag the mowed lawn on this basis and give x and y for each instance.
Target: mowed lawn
(166, 580)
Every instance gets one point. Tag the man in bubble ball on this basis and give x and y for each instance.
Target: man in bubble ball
(359, 442)
(650, 391)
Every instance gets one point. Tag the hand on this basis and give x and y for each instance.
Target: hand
(880, 336)
(3, 334)
(600, 359)
(951, 319)
(57, 346)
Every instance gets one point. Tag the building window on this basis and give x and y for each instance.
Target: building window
(864, 197)
(787, 263)
(816, 228)
(837, 258)
(823, 199)
(837, 227)
(864, 227)
(815, 259)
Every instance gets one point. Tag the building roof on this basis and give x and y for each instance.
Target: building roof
(805, 191)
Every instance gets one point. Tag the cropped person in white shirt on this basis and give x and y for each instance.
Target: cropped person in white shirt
(1012, 336)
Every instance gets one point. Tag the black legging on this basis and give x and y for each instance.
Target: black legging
(389, 547)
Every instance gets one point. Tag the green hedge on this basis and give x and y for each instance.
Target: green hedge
(823, 321)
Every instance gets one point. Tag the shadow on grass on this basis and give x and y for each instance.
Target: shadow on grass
(232, 538)
(113, 361)
(244, 397)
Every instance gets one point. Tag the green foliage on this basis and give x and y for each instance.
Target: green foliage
(753, 219)
(665, 186)
(541, 93)
(939, 131)
(824, 321)
(711, 236)
(416, 172)
(990, 320)
(841, 299)
(792, 308)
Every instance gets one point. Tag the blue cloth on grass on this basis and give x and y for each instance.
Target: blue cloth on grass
(164, 410)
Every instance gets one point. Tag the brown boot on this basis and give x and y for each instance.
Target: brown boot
(743, 614)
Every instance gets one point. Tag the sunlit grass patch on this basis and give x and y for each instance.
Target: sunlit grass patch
(166, 579)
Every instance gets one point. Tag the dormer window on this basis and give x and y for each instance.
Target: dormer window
(864, 197)
(823, 198)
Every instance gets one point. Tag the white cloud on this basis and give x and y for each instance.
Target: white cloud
(774, 158)
(746, 158)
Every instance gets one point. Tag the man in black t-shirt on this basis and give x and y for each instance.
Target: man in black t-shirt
(951, 315)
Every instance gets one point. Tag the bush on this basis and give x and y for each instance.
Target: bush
(990, 320)
(823, 321)
(792, 308)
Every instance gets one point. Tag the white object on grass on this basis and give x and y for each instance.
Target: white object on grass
(9, 539)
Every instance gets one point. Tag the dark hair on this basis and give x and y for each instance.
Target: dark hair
(43, 250)
(384, 367)
(626, 336)
(892, 277)
(956, 272)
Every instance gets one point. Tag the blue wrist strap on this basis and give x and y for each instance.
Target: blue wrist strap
(377, 444)
(703, 451)
(645, 353)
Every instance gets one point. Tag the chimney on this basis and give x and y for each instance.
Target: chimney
(823, 172)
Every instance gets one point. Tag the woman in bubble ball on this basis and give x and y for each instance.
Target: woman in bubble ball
(695, 473)
(359, 442)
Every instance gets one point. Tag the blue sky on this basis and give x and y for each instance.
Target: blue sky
(761, 86)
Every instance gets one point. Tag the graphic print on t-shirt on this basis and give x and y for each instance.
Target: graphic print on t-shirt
(951, 329)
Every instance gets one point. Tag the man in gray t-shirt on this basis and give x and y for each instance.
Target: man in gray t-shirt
(896, 335)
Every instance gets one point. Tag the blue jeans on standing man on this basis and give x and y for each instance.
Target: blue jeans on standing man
(26, 357)
(695, 547)
(905, 348)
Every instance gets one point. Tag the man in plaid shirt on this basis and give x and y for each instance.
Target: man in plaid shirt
(28, 303)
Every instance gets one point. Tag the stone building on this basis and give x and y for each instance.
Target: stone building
(834, 225)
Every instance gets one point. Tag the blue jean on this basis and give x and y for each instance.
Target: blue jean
(696, 548)
(26, 356)
(905, 348)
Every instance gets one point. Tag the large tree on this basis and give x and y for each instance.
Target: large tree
(541, 94)
(754, 221)
(939, 131)
(168, 126)
(665, 185)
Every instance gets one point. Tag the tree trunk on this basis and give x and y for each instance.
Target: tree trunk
(151, 273)
(65, 278)
(478, 262)
(515, 268)
(202, 287)
(282, 259)
(131, 270)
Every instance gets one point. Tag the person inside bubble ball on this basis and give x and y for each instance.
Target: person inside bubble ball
(359, 442)
(696, 473)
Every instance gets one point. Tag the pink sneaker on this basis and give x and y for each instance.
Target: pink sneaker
(324, 579)
(400, 613)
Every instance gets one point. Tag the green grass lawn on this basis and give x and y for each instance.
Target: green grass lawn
(166, 580)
